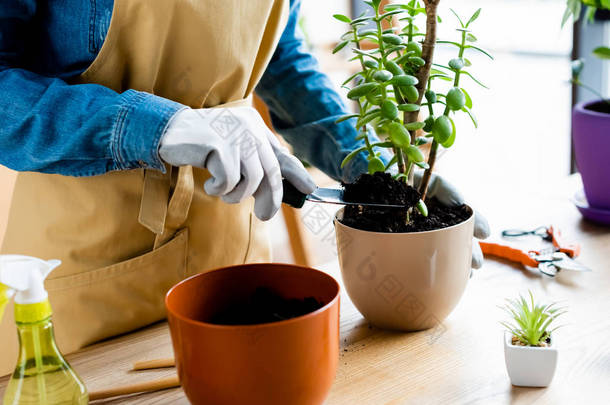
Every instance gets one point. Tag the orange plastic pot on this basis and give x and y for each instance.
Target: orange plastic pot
(288, 362)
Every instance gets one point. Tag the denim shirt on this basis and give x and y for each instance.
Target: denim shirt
(48, 125)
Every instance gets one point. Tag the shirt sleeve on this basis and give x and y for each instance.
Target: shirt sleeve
(304, 106)
(51, 126)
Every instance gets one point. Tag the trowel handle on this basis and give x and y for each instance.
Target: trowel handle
(292, 196)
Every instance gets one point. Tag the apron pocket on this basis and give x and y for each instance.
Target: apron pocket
(106, 302)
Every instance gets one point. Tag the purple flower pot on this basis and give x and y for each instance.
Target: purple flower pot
(591, 136)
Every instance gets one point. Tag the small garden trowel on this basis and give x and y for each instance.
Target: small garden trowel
(296, 199)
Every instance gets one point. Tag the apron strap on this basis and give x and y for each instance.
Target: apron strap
(160, 214)
(179, 205)
(161, 217)
(155, 194)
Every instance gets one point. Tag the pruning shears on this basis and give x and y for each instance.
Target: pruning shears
(549, 261)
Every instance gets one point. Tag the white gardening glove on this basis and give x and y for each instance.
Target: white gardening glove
(448, 195)
(242, 155)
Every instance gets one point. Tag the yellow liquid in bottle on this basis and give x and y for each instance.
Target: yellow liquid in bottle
(42, 375)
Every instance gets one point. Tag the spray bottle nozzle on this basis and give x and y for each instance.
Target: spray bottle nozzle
(24, 277)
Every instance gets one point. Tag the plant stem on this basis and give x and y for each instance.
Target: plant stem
(428, 47)
(423, 189)
(399, 160)
(591, 89)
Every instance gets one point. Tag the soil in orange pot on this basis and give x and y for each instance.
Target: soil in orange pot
(263, 306)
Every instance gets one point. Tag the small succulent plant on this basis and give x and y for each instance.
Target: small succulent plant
(530, 321)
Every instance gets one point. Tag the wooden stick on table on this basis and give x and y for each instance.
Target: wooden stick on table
(150, 364)
(148, 386)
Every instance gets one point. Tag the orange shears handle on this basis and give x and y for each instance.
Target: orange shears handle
(570, 249)
(507, 252)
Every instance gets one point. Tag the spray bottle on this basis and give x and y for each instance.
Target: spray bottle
(42, 375)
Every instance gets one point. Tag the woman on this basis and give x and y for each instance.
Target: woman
(132, 125)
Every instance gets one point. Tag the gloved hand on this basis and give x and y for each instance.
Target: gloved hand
(449, 196)
(242, 155)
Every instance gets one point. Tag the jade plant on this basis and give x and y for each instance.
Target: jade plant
(398, 87)
(531, 322)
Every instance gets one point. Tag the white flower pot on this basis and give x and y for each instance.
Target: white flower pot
(405, 281)
(530, 366)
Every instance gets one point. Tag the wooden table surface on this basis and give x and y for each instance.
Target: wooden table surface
(459, 362)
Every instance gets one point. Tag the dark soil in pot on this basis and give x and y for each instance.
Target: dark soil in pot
(264, 306)
(382, 188)
(600, 107)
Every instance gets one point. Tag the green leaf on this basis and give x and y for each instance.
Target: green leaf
(457, 64)
(404, 80)
(414, 154)
(472, 117)
(342, 18)
(456, 99)
(408, 107)
(423, 165)
(352, 155)
(468, 99)
(389, 109)
(458, 17)
(346, 117)
(417, 61)
(471, 38)
(420, 140)
(362, 19)
(361, 90)
(371, 64)
(442, 129)
(430, 96)
(410, 93)
(368, 31)
(483, 51)
(370, 116)
(474, 79)
(394, 68)
(399, 135)
(340, 46)
(577, 66)
(429, 124)
(376, 165)
(389, 14)
(456, 44)
(602, 52)
(374, 98)
(474, 17)
(397, 48)
(422, 208)
(349, 79)
(414, 47)
(382, 75)
(414, 126)
(392, 39)
(449, 142)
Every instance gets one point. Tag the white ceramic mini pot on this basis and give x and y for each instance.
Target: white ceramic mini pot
(530, 366)
(405, 281)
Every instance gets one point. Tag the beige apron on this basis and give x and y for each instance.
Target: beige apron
(126, 237)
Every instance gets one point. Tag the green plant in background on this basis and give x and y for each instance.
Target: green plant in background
(398, 78)
(530, 321)
(574, 10)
